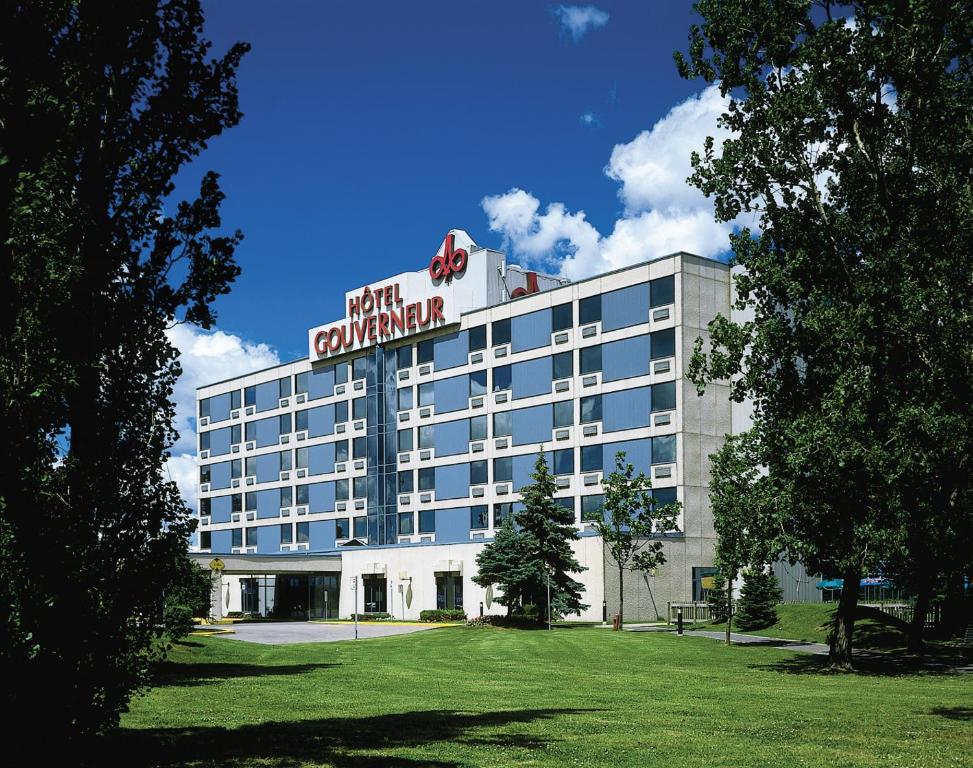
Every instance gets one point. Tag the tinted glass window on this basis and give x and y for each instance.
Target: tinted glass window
(478, 383)
(664, 396)
(285, 423)
(592, 506)
(236, 537)
(341, 373)
(405, 523)
(236, 502)
(303, 494)
(662, 291)
(341, 450)
(427, 436)
(501, 378)
(563, 368)
(361, 527)
(285, 387)
(503, 470)
(286, 534)
(405, 398)
(341, 412)
(300, 385)
(358, 408)
(427, 479)
(303, 533)
(425, 351)
(478, 473)
(501, 424)
(426, 394)
(234, 399)
(663, 343)
(404, 356)
(358, 366)
(341, 490)
(501, 512)
(589, 310)
(358, 448)
(405, 440)
(564, 413)
(406, 481)
(477, 338)
(478, 428)
(590, 359)
(427, 521)
(591, 458)
(341, 528)
(562, 317)
(359, 487)
(500, 331)
(564, 462)
(479, 517)
(590, 409)
(250, 396)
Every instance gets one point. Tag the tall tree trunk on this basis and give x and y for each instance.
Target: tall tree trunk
(729, 607)
(918, 623)
(844, 622)
(621, 595)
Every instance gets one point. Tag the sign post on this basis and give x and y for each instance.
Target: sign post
(216, 567)
(354, 613)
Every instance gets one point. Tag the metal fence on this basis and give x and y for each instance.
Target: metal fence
(691, 612)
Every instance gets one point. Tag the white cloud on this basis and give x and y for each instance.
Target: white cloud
(663, 214)
(577, 20)
(205, 357)
(590, 119)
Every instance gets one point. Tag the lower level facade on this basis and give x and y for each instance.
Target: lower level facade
(366, 477)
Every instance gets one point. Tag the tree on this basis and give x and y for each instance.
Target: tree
(720, 599)
(758, 600)
(189, 597)
(506, 562)
(548, 530)
(100, 106)
(849, 134)
(633, 524)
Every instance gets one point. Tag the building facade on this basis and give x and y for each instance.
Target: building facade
(367, 476)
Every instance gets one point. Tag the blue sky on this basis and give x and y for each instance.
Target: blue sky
(559, 133)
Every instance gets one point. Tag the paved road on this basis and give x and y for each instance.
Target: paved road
(287, 632)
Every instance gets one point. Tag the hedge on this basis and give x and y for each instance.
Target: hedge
(449, 614)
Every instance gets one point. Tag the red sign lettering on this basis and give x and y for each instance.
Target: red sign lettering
(452, 262)
(532, 286)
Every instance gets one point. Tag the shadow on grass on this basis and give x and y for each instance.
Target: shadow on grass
(953, 713)
(175, 674)
(878, 664)
(342, 742)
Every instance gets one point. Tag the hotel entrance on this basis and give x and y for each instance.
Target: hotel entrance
(291, 596)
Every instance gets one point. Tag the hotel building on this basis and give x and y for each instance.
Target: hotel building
(367, 476)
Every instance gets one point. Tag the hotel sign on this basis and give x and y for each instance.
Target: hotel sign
(403, 305)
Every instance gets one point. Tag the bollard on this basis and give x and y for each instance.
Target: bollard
(604, 611)
(481, 609)
(679, 622)
(616, 623)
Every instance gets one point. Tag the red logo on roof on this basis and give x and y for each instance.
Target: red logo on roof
(451, 262)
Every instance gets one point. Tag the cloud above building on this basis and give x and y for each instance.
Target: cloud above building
(661, 212)
(578, 20)
(205, 357)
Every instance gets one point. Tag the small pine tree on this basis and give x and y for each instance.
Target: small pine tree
(758, 600)
(505, 562)
(716, 597)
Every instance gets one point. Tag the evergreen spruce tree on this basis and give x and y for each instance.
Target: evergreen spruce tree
(758, 600)
(717, 597)
(548, 530)
(505, 563)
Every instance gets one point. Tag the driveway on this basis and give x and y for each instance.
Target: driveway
(287, 632)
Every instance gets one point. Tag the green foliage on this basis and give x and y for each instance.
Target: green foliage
(717, 599)
(757, 607)
(850, 153)
(448, 614)
(372, 616)
(189, 596)
(524, 559)
(100, 107)
(633, 524)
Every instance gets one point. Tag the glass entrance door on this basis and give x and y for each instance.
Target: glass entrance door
(374, 593)
(324, 595)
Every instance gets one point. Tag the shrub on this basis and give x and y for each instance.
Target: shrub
(374, 616)
(448, 614)
(511, 622)
(757, 607)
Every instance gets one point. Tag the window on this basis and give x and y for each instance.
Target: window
(251, 501)
(501, 378)
(479, 473)
(236, 537)
(589, 359)
(205, 540)
(589, 310)
(285, 461)
(478, 383)
(251, 537)
(358, 367)
(479, 517)
(358, 408)
(425, 351)
(359, 487)
(563, 367)
(361, 523)
(427, 479)
(234, 399)
(406, 481)
(358, 449)
(501, 512)
(340, 490)
(251, 466)
(341, 528)
(286, 495)
(427, 521)
(303, 533)
(562, 317)
(302, 458)
(503, 470)
(427, 436)
(235, 434)
(205, 507)
(664, 396)
(285, 386)
(300, 421)
(204, 473)
(477, 338)
(567, 502)
(449, 591)
(478, 428)
(405, 398)
(592, 507)
(341, 412)
(662, 291)
(341, 373)
(405, 523)
(204, 441)
(341, 450)
(590, 409)
(250, 396)
(591, 458)
(663, 343)
(564, 413)
(501, 424)
(426, 394)
(405, 440)
(236, 467)
(404, 356)
(500, 331)
(564, 462)
(664, 449)
(304, 495)
(285, 424)
(287, 534)
(236, 502)
(300, 383)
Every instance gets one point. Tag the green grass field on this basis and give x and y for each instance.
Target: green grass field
(572, 697)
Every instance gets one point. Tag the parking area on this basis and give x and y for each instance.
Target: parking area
(289, 632)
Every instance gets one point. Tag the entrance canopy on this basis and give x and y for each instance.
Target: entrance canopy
(272, 564)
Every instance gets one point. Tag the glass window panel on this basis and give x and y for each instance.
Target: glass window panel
(592, 506)
(663, 343)
(341, 528)
(405, 440)
(562, 317)
(285, 387)
(662, 291)
(564, 462)
(502, 424)
(234, 399)
(358, 408)
(302, 458)
(501, 512)
(361, 527)
(300, 383)
(427, 436)
(285, 461)
(478, 428)
(405, 523)
(406, 481)
(236, 502)
(358, 367)
(503, 470)
(478, 383)
(590, 409)
(359, 487)
(250, 396)
(287, 534)
(563, 366)
(425, 351)
(236, 537)
(341, 489)
(591, 458)
(427, 479)
(359, 449)
(405, 398)
(664, 396)
(303, 533)
(286, 496)
(590, 359)
(427, 394)
(501, 378)
(303, 495)
(564, 413)
(341, 373)
(477, 338)
(341, 450)
(300, 422)
(478, 473)
(589, 310)
(341, 412)
(479, 517)
(427, 521)
(404, 357)
(500, 331)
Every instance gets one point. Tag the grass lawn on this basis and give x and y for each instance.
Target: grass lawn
(576, 696)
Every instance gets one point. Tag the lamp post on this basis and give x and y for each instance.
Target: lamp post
(548, 601)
